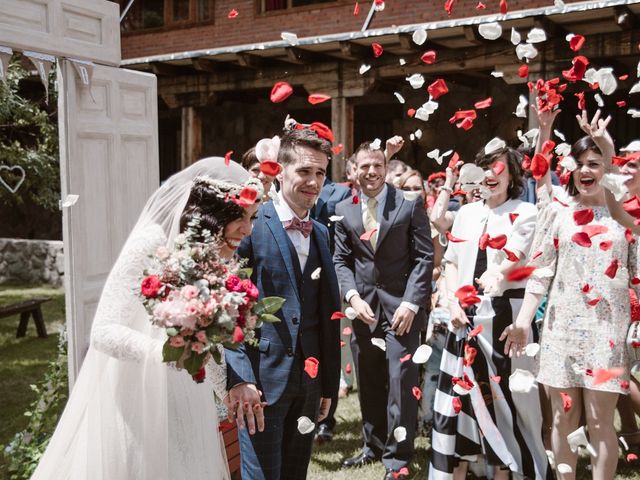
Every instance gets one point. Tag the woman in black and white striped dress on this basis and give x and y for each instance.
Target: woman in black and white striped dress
(476, 414)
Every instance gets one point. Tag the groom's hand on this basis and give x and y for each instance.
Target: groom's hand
(245, 402)
(325, 405)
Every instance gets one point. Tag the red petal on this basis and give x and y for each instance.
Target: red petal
(356, 10)
(469, 356)
(280, 92)
(576, 42)
(523, 71)
(411, 112)
(538, 253)
(496, 378)
(311, 366)
(582, 239)
(483, 241)
(457, 404)
(342, 343)
(612, 269)
(594, 301)
(337, 315)
(476, 331)
(622, 78)
(539, 166)
(233, 13)
(366, 236)
(429, 57)
(497, 242)
(337, 149)
(556, 242)
(247, 197)
(227, 157)
(582, 105)
(405, 358)
(611, 344)
(593, 230)
(270, 168)
(513, 216)
(322, 131)
(498, 168)
(587, 288)
(347, 368)
(453, 239)
(437, 88)
(567, 401)
(601, 375)
(480, 6)
(455, 158)
(548, 146)
(628, 235)
(316, 98)
(486, 103)
(582, 217)
(621, 104)
(377, 49)
(632, 207)
(606, 245)
(512, 257)
(417, 393)
(347, 331)
(503, 7)
(519, 273)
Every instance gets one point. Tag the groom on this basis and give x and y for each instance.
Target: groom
(290, 257)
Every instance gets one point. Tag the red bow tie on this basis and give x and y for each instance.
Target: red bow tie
(303, 226)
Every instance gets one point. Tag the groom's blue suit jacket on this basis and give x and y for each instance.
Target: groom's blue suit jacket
(306, 328)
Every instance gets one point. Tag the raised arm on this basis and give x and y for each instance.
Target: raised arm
(545, 126)
(441, 218)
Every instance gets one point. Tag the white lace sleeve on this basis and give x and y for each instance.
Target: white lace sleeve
(217, 373)
(121, 318)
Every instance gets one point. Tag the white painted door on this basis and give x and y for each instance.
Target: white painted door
(109, 157)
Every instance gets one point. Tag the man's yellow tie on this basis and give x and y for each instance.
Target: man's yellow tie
(370, 221)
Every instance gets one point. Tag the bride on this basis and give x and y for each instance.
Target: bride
(129, 415)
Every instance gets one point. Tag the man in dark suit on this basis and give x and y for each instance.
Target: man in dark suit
(384, 261)
(286, 251)
(332, 193)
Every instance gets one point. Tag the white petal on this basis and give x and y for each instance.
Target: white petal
(560, 135)
(634, 112)
(521, 381)
(336, 218)
(569, 163)
(578, 439)
(558, 3)
(378, 7)
(563, 468)
(532, 349)
(638, 69)
(544, 272)
(402, 61)
(615, 183)
(412, 137)
(350, 313)
(515, 37)
(598, 98)
(422, 354)
(485, 193)
(410, 196)
(590, 76)
(375, 145)
(536, 35)
(494, 145)
(635, 88)
(422, 114)
(607, 80)
(399, 97)
(315, 275)
(418, 134)
(490, 31)
(379, 342)
(364, 68)
(416, 80)
(632, 147)
(419, 36)
(305, 425)
(459, 390)
(400, 434)
(497, 74)
(471, 173)
(526, 50)
(521, 109)
(435, 153)
(289, 37)
(563, 149)
(69, 201)
(569, 36)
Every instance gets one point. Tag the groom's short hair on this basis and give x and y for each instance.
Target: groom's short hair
(304, 137)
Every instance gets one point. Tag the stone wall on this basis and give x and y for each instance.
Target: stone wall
(31, 261)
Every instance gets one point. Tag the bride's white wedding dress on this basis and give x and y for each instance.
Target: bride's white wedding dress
(130, 416)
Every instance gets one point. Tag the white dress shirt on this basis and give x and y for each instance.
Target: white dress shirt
(300, 243)
(382, 200)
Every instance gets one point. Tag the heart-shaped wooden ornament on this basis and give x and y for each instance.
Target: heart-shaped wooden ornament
(8, 176)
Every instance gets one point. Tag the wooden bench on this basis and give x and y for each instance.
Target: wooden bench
(26, 309)
(232, 447)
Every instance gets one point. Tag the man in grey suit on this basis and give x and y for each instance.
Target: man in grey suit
(384, 261)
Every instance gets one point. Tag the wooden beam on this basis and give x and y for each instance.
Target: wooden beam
(249, 60)
(406, 42)
(355, 51)
(472, 35)
(203, 65)
(625, 19)
(167, 69)
(301, 56)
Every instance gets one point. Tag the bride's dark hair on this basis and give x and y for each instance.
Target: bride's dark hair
(214, 212)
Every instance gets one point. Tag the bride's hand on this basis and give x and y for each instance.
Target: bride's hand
(517, 338)
(244, 401)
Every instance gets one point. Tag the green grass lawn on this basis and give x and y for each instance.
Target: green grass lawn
(23, 361)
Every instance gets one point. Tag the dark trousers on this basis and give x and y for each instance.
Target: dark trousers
(281, 451)
(385, 390)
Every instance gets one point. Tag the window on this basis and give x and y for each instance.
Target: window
(147, 14)
(273, 5)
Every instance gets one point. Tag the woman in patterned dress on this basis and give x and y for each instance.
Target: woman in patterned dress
(584, 262)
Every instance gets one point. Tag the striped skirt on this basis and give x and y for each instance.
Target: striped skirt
(490, 420)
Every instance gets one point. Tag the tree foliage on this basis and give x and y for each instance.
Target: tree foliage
(29, 139)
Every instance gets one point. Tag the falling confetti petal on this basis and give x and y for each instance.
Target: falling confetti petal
(69, 201)
(400, 434)
(280, 92)
(350, 313)
(490, 31)
(532, 349)
(422, 354)
(419, 36)
(364, 68)
(305, 425)
(399, 97)
(380, 343)
(515, 37)
(290, 38)
(315, 275)
(416, 80)
(311, 366)
(521, 381)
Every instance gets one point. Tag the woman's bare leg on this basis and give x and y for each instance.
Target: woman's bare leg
(600, 408)
(563, 424)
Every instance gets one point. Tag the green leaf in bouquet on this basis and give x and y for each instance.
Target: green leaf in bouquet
(194, 362)
(245, 273)
(268, 305)
(269, 318)
(217, 356)
(171, 354)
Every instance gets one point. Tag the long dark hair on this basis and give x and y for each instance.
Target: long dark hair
(214, 212)
(585, 144)
(514, 160)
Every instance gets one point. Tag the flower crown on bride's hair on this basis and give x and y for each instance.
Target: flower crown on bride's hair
(244, 195)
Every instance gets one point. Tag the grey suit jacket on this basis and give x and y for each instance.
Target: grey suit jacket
(399, 270)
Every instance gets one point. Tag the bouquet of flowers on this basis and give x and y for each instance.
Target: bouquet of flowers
(202, 301)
